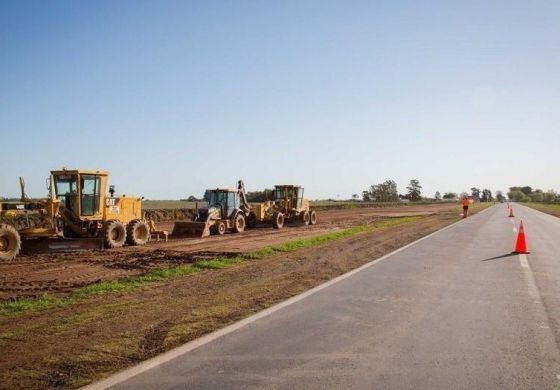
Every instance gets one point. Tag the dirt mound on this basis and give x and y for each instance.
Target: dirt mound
(169, 215)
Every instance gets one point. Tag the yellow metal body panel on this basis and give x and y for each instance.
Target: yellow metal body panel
(125, 209)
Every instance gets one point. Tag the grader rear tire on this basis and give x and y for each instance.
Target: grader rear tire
(312, 218)
(114, 234)
(10, 242)
(304, 217)
(137, 233)
(238, 224)
(278, 220)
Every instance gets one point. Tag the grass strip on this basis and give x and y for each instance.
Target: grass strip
(553, 209)
(130, 283)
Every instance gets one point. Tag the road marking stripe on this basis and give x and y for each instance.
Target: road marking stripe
(191, 345)
(531, 285)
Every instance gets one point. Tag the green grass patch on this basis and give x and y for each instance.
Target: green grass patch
(131, 283)
(327, 237)
(217, 263)
(553, 209)
(29, 304)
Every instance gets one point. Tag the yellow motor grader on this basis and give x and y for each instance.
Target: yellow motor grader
(288, 205)
(77, 207)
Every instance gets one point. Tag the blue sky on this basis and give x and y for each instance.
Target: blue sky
(177, 96)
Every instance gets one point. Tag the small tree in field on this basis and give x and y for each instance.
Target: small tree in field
(437, 196)
(475, 193)
(486, 196)
(500, 196)
(450, 196)
(414, 190)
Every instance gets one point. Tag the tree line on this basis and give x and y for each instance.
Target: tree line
(387, 192)
(527, 194)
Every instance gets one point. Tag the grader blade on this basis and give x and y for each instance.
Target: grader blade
(53, 245)
(191, 229)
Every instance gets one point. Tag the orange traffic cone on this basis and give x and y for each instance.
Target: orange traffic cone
(511, 212)
(521, 243)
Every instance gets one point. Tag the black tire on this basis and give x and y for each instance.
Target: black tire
(114, 234)
(304, 217)
(10, 242)
(137, 233)
(251, 220)
(239, 224)
(313, 218)
(220, 228)
(278, 220)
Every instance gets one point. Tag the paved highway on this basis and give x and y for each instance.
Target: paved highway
(453, 311)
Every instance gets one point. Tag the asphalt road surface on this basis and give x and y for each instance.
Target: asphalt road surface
(453, 311)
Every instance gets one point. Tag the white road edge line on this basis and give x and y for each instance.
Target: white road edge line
(531, 285)
(191, 345)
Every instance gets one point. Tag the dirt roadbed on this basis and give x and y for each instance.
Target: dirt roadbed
(34, 275)
(72, 345)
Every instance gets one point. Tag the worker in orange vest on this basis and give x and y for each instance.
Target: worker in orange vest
(466, 203)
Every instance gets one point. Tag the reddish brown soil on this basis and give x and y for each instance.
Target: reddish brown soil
(33, 275)
(70, 346)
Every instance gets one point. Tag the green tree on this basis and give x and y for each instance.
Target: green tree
(384, 192)
(500, 196)
(437, 195)
(550, 196)
(260, 196)
(414, 190)
(517, 195)
(450, 196)
(475, 193)
(537, 196)
(486, 196)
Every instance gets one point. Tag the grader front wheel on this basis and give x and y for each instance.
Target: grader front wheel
(114, 234)
(10, 242)
(137, 233)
